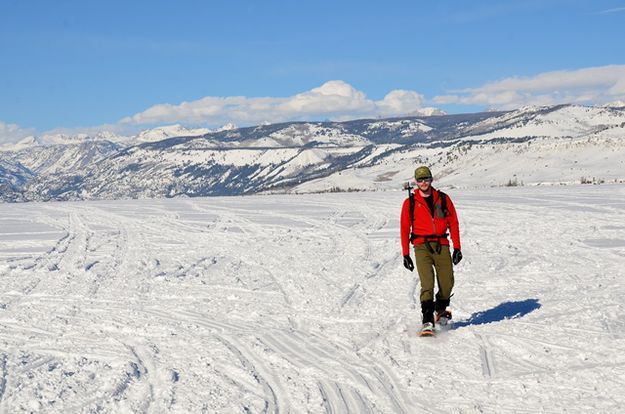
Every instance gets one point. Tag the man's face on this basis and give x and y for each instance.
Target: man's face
(424, 184)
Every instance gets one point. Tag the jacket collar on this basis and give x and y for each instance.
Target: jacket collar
(434, 194)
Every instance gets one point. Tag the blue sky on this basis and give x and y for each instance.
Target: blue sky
(126, 65)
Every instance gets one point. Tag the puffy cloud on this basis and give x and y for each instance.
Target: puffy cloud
(335, 99)
(595, 85)
(12, 133)
(400, 102)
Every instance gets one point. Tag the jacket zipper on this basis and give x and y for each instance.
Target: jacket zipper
(432, 213)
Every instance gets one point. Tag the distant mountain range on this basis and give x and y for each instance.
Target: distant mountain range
(561, 144)
(149, 135)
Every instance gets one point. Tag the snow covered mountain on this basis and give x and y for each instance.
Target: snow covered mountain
(64, 159)
(535, 145)
(177, 130)
(147, 135)
(428, 112)
(24, 143)
(532, 145)
(13, 176)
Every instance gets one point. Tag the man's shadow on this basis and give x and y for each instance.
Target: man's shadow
(503, 311)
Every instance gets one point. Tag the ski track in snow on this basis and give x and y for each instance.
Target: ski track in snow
(288, 304)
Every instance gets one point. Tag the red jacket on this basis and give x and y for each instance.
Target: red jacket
(426, 224)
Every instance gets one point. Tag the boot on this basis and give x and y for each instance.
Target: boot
(443, 316)
(441, 305)
(427, 329)
(427, 309)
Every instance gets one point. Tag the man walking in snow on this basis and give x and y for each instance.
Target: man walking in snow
(425, 218)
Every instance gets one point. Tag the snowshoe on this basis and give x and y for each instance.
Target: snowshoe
(443, 318)
(427, 329)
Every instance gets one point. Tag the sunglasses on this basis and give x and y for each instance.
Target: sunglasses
(420, 180)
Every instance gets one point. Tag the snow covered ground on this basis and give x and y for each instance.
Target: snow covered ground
(297, 304)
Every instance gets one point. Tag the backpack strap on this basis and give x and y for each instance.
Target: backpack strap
(443, 197)
(411, 204)
(411, 198)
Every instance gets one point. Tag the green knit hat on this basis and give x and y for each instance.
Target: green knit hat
(422, 172)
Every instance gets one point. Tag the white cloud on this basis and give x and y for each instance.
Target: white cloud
(614, 10)
(595, 85)
(333, 100)
(400, 102)
(12, 133)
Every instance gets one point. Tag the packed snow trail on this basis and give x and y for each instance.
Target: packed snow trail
(301, 304)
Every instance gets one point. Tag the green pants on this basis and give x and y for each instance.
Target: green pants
(426, 263)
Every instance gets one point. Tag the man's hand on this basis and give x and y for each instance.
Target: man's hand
(456, 256)
(408, 263)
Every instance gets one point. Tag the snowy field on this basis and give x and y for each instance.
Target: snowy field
(301, 304)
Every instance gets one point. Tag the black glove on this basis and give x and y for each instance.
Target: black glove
(408, 263)
(456, 256)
